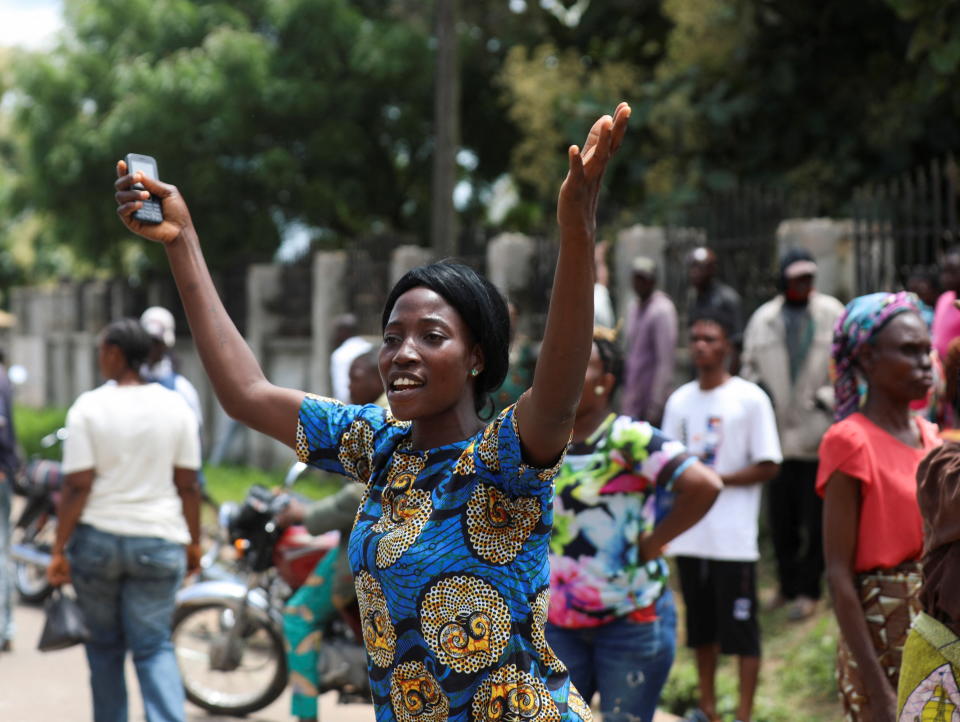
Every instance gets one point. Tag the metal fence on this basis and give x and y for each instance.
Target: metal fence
(740, 226)
(902, 226)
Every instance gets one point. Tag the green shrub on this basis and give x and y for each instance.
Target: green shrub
(33, 424)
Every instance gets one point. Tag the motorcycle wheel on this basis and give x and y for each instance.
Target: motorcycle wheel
(257, 672)
(31, 579)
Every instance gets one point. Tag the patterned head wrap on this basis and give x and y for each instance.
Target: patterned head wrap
(860, 322)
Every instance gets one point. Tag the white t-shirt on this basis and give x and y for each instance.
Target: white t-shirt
(133, 437)
(729, 428)
(340, 360)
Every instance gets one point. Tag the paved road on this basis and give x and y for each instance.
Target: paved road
(37, 687)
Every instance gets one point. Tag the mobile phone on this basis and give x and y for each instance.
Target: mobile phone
(152, 211)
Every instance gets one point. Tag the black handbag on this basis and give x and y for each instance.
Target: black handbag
(64, 625)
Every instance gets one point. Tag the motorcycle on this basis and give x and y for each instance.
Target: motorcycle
(228, 625)
(35, 529)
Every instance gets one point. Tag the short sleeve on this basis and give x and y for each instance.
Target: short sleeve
(647, 451)
(764, 440)
(78, 446)
(498, 455)
(843, 449)
(187, 455)
(339, 438)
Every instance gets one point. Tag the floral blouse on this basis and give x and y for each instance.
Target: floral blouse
(606, 498)
(449, 554)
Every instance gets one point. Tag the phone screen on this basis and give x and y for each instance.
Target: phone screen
(148, 169)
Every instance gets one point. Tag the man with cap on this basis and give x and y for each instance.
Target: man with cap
(158, 322)
(786, 350)
(709, 294)
(651, 344)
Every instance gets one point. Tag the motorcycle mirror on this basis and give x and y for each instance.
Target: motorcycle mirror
(293, 473)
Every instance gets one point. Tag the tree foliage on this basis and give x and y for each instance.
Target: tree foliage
(319, 112)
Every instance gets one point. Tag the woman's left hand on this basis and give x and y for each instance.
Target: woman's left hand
(58, 573)
(577, 204)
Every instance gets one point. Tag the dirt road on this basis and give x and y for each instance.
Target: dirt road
(42, 687)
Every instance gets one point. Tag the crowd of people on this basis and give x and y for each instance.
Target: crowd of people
(515, 505)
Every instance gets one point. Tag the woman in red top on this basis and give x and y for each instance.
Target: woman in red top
(872, 531)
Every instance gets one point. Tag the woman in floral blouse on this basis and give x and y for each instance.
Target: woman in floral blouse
(611, 616)
(449, 549)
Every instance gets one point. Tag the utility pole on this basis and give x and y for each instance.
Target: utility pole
(446, 121)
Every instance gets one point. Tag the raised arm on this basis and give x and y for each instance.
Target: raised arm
(545, 412)
(237, 378)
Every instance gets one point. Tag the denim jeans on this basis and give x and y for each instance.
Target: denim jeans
(6, 566)
(126, 587)
(626, 661)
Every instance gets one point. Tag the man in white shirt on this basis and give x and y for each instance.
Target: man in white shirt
(729, 423)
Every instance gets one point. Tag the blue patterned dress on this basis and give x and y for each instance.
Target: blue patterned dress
(449, 552)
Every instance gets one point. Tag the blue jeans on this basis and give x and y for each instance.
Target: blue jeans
(126, 587)
(626, 661)
(6, 567)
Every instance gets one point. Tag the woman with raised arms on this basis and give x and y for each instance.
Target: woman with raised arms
(449, 550)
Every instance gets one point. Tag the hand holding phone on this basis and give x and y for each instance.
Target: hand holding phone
(152, 210)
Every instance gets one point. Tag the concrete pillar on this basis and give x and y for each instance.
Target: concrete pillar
(406, 257)
(509, 258)
(631, 242)
(30, 351)
(264, 283)
(831, 242)
(329, 301)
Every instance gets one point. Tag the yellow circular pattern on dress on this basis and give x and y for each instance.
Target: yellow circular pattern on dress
(416, 696)
(355, 452)
(379, 636)
(465, 465)
(510, 694)
(489, 449)
(498, 526)
(405, 509)
(539, 609)
(576, 704)
(465, 622)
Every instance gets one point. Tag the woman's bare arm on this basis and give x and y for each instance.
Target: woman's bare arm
(545, 412)
(696, 489)
(841, 520)
(236, 376)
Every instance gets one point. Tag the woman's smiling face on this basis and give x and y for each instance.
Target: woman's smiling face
(426, 357)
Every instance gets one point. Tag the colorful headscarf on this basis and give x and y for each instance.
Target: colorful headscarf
(859, 323)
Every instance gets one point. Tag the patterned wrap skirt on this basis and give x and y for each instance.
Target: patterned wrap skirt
(890, 601)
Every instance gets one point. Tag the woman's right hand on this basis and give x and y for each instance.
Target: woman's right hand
(176, 215)
(58, 573)
(292, 513)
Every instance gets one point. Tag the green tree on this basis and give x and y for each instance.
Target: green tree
(264, 113)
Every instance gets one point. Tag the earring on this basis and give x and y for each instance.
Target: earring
(599, 390)
(474, 372)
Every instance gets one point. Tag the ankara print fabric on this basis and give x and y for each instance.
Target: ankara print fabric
(449, 552)
(605, 499)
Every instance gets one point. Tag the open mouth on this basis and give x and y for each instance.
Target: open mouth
(404, 384)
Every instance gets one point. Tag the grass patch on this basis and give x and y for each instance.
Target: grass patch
(231, 483)
(797, 672)
(33, 424)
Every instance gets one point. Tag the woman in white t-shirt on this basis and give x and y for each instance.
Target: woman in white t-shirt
(128, 512)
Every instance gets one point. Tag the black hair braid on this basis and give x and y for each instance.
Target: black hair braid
(134, 343)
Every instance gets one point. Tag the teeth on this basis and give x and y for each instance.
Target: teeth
(405, 383)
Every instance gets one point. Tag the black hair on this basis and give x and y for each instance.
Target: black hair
(128, 335)
(481, 307)
(610, 355)
(713, 315)
(371, 358)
